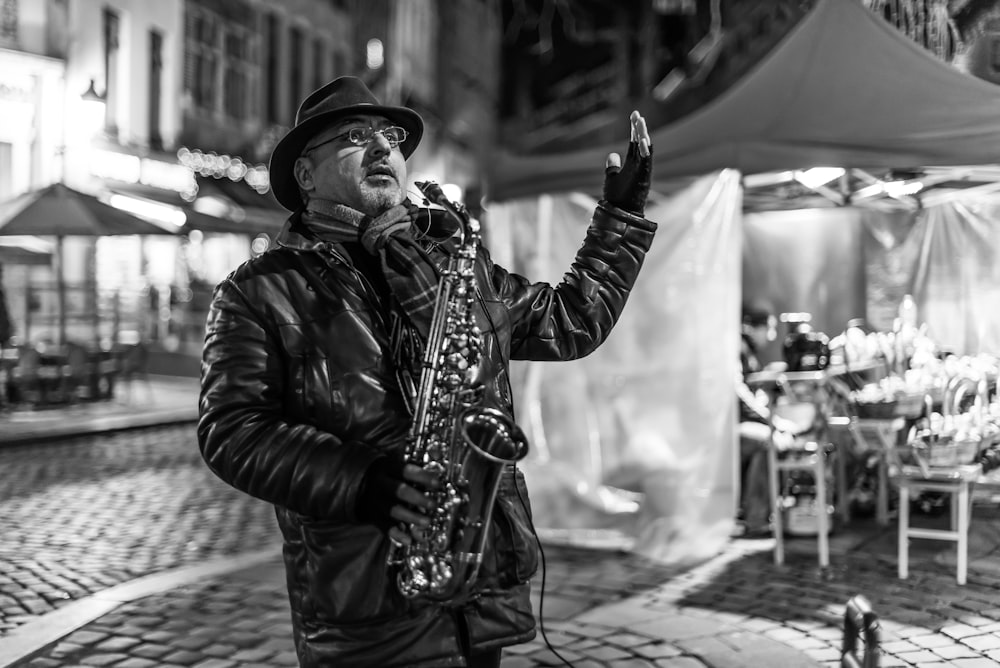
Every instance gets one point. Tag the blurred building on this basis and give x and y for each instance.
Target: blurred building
(573, 71)
(169, 109)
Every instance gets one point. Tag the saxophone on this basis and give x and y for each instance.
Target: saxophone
(466, 444)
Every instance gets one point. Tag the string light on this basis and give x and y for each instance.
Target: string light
(225, 167)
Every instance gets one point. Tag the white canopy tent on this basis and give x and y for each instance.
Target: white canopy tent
(635, 445)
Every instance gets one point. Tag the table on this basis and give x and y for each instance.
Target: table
(954, 480)
(886, 434)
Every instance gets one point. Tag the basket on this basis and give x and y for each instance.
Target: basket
(942, 453)
(881, 410)
(904, 406)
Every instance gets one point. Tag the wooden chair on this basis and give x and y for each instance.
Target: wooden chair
(133, 367)
(802, 411)
(75, 373)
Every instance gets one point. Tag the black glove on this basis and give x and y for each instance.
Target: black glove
(377, 495)
(627, 187)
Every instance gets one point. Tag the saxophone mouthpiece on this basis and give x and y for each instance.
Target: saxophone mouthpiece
(432, 192)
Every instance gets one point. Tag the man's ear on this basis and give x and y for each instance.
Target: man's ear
(303, 173)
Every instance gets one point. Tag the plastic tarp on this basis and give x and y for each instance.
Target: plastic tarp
(806, 260)
(850, 262)
(843, 88)
(634, 446)
(948, 257)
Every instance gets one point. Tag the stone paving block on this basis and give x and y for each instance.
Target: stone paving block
(678, 627)
(983, 642)
(805, 642)
(931, 641)
(85, 637)
(517, 662)
(824, 654)
(606, 653)
(117, 644)
(183, 657)
(624, 614)
(44, 662)
(657, 650)
(978, 662)
(919, 657)
(954, 651)
(626, 640)
(898, 646)
(103, 659)
(64, 648)
(151, 650)
(219, 650)
(959, 631)
(680, 662)
(215, 663)
(137, 662)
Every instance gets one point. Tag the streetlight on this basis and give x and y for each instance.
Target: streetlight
(92, 111)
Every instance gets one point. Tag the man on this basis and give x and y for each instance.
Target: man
(305, 399)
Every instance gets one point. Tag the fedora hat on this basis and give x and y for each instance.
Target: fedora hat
(341, 97)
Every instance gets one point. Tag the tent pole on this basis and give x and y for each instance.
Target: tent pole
(61, 290)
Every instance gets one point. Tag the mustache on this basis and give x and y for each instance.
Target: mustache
(380, 168)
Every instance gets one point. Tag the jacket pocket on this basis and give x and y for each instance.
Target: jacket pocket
(330, 552)
(516, 546)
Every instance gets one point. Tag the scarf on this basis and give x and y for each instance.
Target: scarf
(393, 237)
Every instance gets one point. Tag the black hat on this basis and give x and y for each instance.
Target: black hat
(341, 97)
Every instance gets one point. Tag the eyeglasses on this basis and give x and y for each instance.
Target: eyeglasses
(394, 135)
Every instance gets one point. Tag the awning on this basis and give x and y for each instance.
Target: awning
(209, 212)
(25, 250)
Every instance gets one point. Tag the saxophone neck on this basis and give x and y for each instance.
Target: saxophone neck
(435, 194)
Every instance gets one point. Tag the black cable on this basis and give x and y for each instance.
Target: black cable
(541, 599)
(524, 504)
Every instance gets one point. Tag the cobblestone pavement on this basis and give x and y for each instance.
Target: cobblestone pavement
(87, 513)
(83, 515)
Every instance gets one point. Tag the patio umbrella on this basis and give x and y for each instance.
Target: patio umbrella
(59, 211)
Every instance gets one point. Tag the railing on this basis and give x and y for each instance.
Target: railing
(106, 317)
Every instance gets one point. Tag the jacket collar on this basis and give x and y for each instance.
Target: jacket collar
(290, 237)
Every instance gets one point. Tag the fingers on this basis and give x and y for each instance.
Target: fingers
(413, 505)
(423, 477)
(399, 537)
(613, 164)
(640, 133)
(638, 139)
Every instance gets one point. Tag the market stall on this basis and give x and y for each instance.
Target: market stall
(640, 449)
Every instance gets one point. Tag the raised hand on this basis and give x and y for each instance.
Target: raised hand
(627, 186)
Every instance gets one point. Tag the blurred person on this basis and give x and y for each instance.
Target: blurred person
(304, 401)
(759, 327)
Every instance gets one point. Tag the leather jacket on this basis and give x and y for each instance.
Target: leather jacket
(298, 398)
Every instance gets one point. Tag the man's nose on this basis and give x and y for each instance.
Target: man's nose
(379, 145)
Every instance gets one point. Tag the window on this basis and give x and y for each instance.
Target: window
(112, 92)
(297, 58)
(220, 66)
(273, 37)
(995, 54)
(8, 22)
(6, 170)
(155, 87)
(319, 59)
(236, 77)
(200, 58)
(339, 64)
